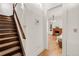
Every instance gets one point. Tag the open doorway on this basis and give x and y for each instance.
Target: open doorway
(55, 32)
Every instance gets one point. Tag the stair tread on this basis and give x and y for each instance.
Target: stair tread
(3, 17)
(9, 50)
(7, 25)
(7, 29)
(8, 33)
(5, 21)
(10, 43)
(17, 54)
(8, 38)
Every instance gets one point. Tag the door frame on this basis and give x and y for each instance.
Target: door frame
(64, 37)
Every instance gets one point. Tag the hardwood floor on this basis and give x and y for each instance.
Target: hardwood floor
(53, 47)
(44, 53)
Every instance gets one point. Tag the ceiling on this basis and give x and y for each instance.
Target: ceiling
(48, 6)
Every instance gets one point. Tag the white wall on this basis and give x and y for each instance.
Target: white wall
(33, 45)
(58, 21)
(6, 9)
(45, 29)
(57, 13)
(73, 36)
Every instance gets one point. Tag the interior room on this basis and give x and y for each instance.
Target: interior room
(55, 23)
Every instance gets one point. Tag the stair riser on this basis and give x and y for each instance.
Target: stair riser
(7, 23)
(7, 31)
(9, 46)
(5, 20)
(8, 40)
(17, 54)
(16, 51)
(8, 35)
(7, 27)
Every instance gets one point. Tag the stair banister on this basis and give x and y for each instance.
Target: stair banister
(14, 12)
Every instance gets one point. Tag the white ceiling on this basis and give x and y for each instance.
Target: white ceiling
(47, 6)
(42, 6)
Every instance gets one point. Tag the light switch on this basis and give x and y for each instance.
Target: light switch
(75, 30)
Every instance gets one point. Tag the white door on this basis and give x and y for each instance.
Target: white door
(73, 31)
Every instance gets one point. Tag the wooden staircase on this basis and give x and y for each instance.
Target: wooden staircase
(9, 39)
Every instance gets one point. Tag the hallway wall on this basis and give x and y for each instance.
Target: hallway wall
(33, 45)
(6, 9)
(73, 31)
(57, 19)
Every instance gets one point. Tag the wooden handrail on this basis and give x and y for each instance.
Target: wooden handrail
(14, 12)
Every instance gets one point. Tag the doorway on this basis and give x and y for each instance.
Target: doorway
(55, 33)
